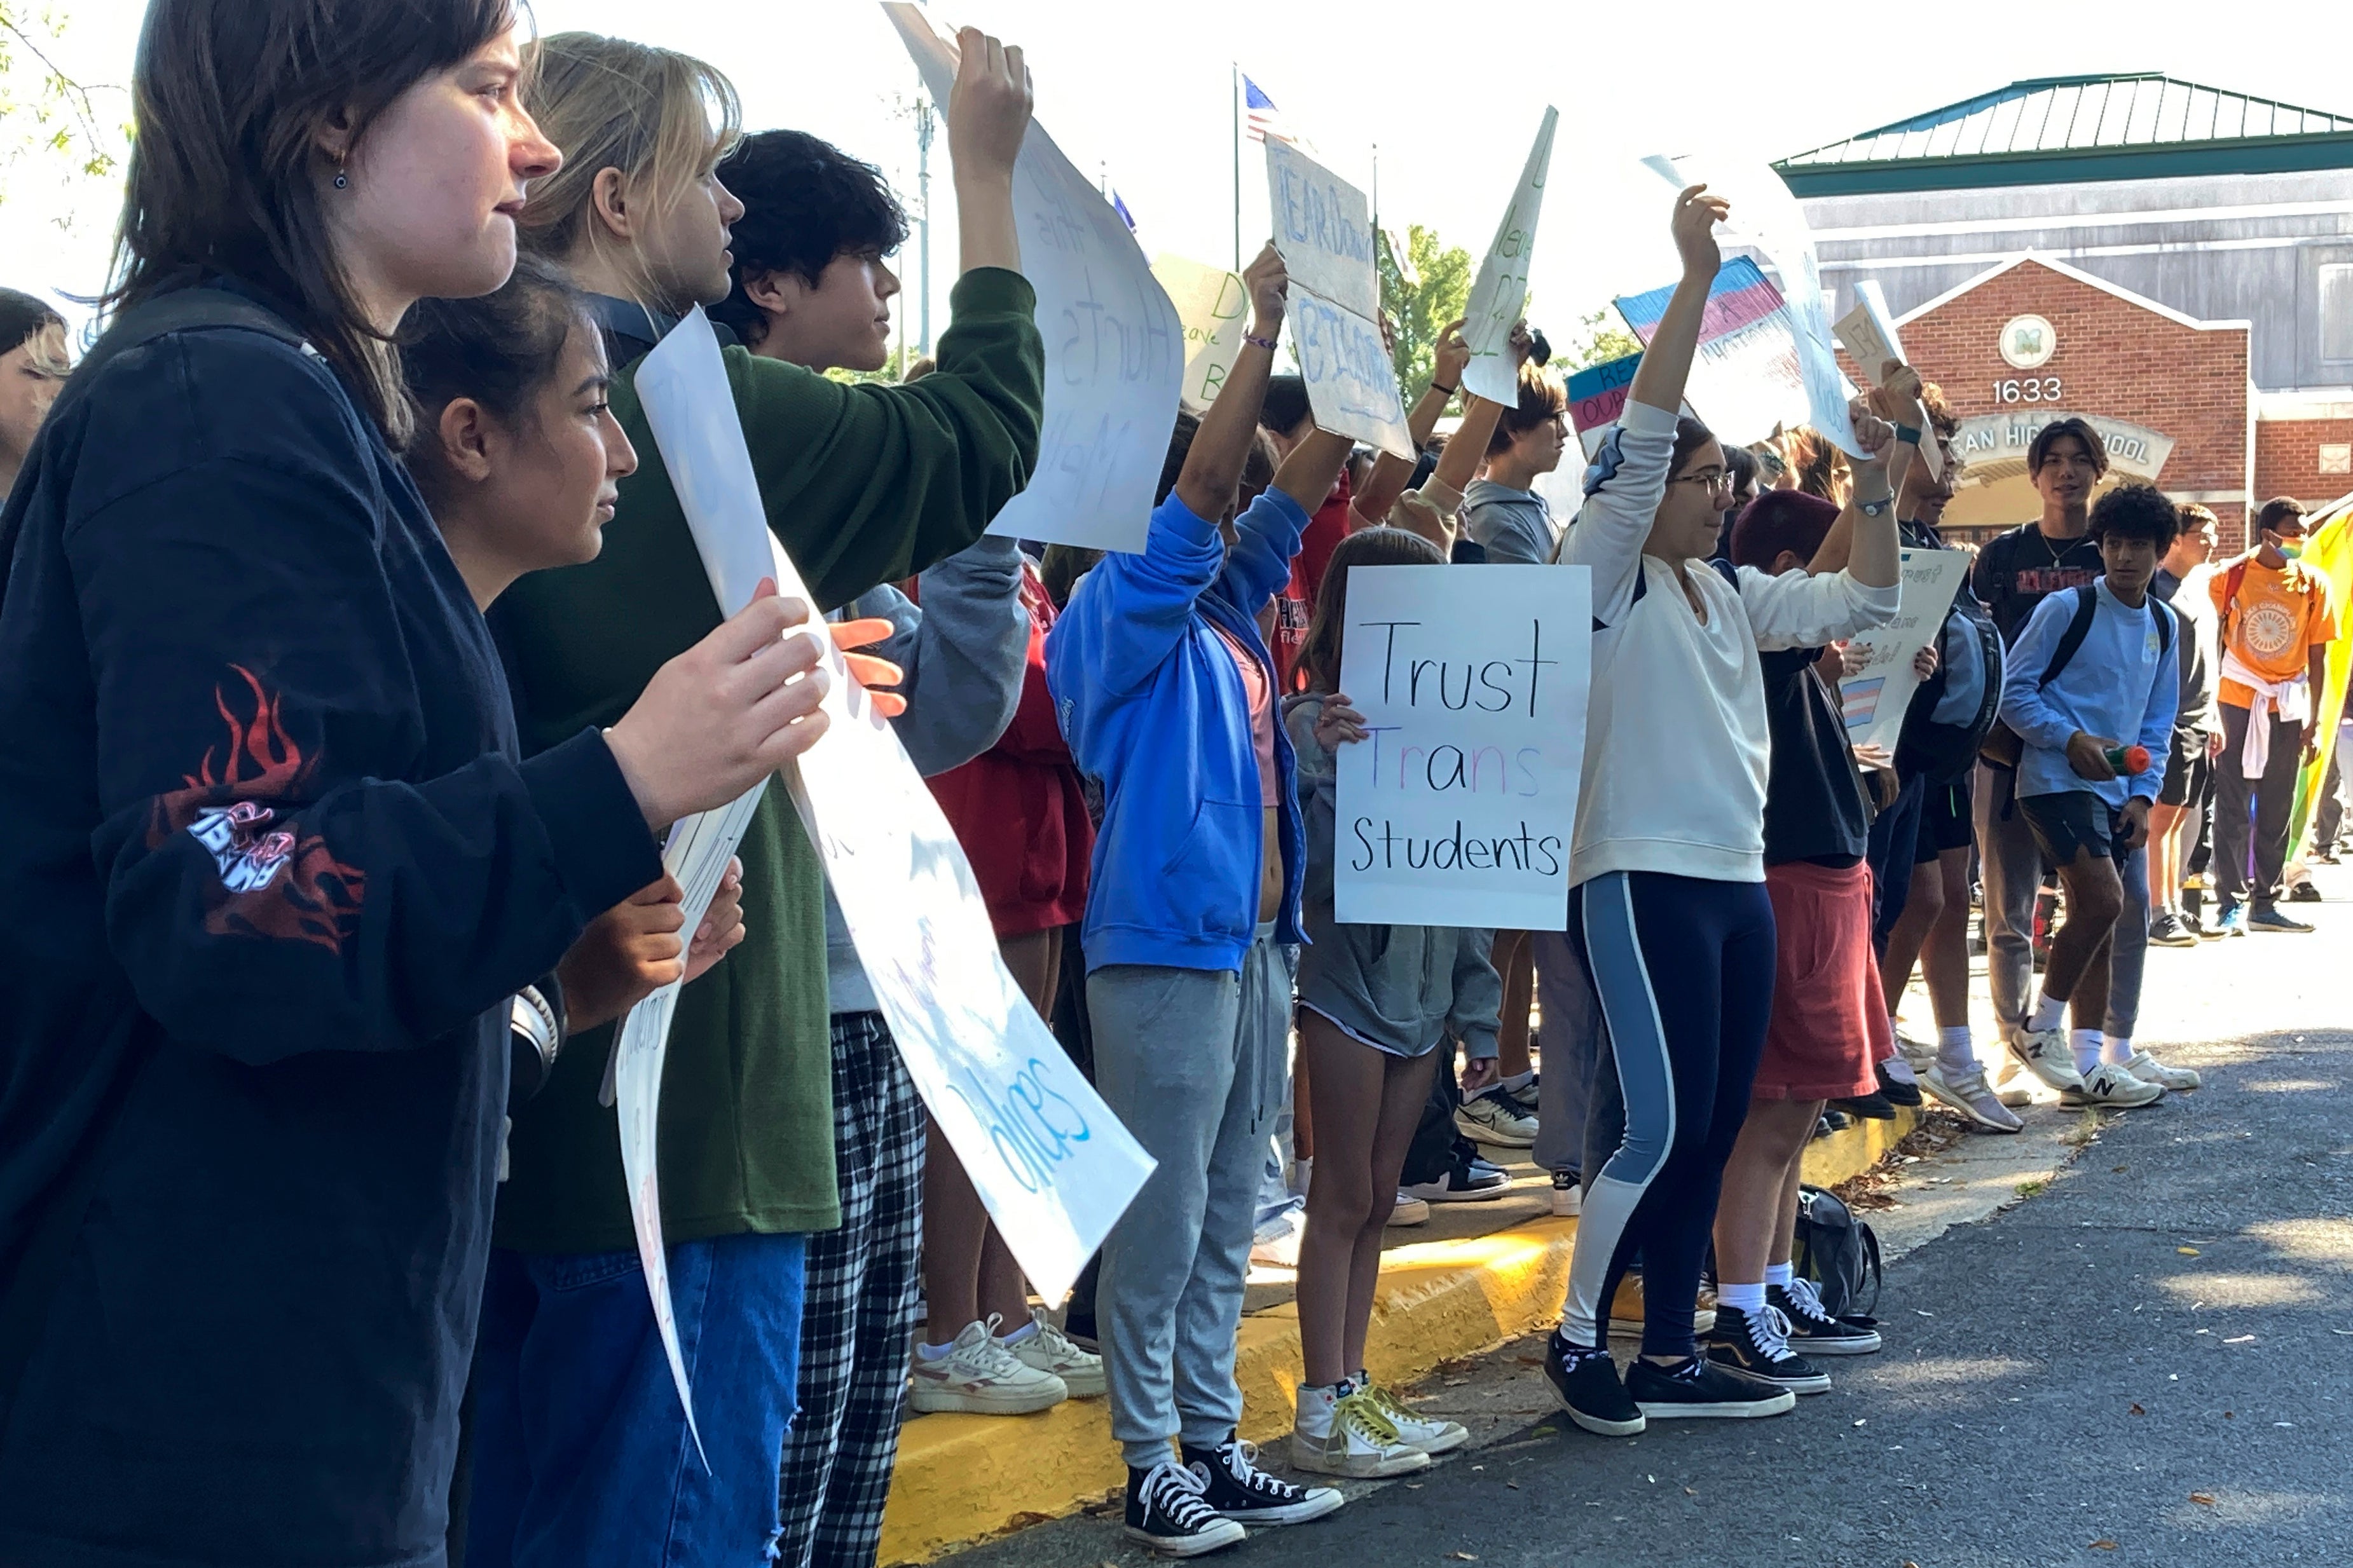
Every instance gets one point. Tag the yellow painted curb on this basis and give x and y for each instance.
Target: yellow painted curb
(962, 1478)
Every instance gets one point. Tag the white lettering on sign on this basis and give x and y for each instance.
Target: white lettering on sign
(2032, 389)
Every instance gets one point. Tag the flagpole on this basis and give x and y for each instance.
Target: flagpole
(1237, 71)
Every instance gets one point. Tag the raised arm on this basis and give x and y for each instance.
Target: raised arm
(988, 113)
(1467, 448)
(1213, 466)
(1390, 472)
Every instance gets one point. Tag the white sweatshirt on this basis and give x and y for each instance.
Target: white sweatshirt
(1676, 747)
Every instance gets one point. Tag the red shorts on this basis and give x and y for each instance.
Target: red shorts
(1830, 1022)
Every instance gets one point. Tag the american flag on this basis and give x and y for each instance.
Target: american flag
(1263, 118)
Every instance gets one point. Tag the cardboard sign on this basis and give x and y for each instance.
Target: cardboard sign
(1869, 333)
(1050, 1162)
(1597, 396)
(1746, 378)
(1458, 806)
(1352, 386)
(1874, 697)
(1499, 294)
(1214, 307)
(1322, 230)
(1115, 347)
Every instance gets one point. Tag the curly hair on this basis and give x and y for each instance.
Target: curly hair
(2135, 512)
(805, 202)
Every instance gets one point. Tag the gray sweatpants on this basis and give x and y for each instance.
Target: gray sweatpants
(1193, 1062)
(2011, 869)
(1573, 1056)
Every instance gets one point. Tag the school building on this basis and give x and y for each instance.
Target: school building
(2171, 261)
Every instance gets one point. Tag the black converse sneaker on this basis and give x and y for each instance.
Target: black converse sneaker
(1812, 1330)
(1236, 1489)
(1586, 1384)
(1758, 1344)
(1703, 1387)
(1165, 1511)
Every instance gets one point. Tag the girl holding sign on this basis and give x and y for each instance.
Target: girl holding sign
(1667, 898)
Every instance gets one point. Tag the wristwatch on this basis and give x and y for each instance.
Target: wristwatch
(1874, 508)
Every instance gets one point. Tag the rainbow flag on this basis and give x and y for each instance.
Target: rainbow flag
(2328, 549)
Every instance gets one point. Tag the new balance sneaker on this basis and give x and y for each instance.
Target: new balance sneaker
(1166, 1511)
(2230, 920)
(1898, 1081)
(1049, 1349)
(1468, 1182)
(2149, 1070)
(1568, 1194)
(2045, 1053)
(2166, 929)
(1413, 1429)
(1972, 1097)
(1701, 1388)
(1627, 1306)
(1410, 1210)
(1494, 1117)
(2274, 921)
(980, 1376)
(1812, 1329)
(1758, 1344)
(1236, 1489)
(1347, 1433)
(1586, 1385)
(2109, 1084)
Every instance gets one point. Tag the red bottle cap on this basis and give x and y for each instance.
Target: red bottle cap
(2136, 759)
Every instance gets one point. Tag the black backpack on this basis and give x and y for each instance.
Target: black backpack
(1941, 752)
(1838, 1252)
(2003, 745)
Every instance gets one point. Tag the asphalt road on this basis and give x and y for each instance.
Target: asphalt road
(2149, 1361)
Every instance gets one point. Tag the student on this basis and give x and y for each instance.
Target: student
(1288, 421)
(1375, 1005)
(2277, 621)
(1168, 696)
(256, 1046)
(1502, 511)
(2188, 795)
(2118, 686)
(33, 366)
(587, 1457)
(1667, 870)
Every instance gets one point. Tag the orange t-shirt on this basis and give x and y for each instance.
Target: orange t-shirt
(2273, 621)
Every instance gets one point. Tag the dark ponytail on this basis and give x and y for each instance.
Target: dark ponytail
(498, 349)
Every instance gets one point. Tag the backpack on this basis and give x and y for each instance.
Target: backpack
(1941, 751)
(2003, 745)
(1838, 1252)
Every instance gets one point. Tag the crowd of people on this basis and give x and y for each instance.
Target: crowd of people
(357, 656)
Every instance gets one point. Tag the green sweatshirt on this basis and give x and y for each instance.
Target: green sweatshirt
(864, 484)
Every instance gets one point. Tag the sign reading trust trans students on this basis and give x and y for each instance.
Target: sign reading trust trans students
(1458, 806)
(1051, 1163)
(1115, 347)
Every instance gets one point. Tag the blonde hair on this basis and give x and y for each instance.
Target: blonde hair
(663, 119)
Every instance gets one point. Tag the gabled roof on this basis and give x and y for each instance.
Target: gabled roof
(2051, 130)
(2077, 273)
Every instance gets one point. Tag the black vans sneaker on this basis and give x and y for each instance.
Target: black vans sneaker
(1586, 1384)
(1166, 1512)
(1812, 1329)
(1759, 1346)
(1703, 1387)
(1236, 1489)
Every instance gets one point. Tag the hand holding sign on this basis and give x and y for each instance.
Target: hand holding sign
(1499, 292)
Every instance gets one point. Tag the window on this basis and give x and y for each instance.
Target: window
(2337, 311)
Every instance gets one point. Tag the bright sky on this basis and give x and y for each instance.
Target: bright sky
(1452, 94)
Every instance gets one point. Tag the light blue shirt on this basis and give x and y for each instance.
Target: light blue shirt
(2123, 683)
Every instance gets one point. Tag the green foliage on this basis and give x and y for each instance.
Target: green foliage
(1421, 310)
(46, 114)
(1605, 338)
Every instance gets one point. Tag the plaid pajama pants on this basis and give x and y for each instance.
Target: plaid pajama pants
(858, 1311)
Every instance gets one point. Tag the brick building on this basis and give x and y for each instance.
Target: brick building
(2172, 262)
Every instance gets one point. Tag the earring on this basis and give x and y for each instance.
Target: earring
(342, 180)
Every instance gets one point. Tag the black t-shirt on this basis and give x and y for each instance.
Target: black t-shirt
(1814, 804)
(2018, 570)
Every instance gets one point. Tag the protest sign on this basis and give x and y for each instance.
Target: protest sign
(1458, 808)
(1875, 697)
(1869, 333)
(1322, 230)
(1500, 291)
(1050, 1162)
(1352, 388)
(1597, 395)
(1214, 307)
(1114, 348)
(1745, 380)
(1765, 214)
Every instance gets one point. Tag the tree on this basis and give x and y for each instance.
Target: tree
(1605, 338)
(46, 111)
(1421, 309)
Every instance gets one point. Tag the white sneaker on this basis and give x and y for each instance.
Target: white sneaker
(981, 1376)
(1410, 1210)
(1350, 1435)
(1490, 1118)
(1276, 1243)
(2013, 1086)
(1970, 1095)
(1568, 1195)
(1920, 1053)
(2109, 1084)
(1052, 1352)
(1440, 1436)
(2149, 1070)
(2045, 1053)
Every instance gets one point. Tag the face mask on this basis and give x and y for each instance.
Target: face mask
(2292, 549)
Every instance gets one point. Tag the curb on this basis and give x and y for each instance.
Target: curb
(958, 1480)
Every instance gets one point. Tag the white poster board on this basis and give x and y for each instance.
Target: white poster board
(1874, 697)
(1322, 230)
(1499, 294)
(1050, 1162)
(1214, 307)
(1765, 214)
(1114, 348)
(1458, 808)
(1352, 386)
(1869, 333)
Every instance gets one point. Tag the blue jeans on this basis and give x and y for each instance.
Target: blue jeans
(581, 1451)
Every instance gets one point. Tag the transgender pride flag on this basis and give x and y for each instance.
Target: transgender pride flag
(1744, 380)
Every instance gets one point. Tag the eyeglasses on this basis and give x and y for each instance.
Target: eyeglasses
(1721, 479)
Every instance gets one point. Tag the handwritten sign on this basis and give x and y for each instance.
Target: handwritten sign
(1214, 307)
(1051, 1163)
(1869, 333)
(1458, 808)
(1322, 230)
(1746, 379)
(1500, 291)
(1115, 347)
(1875, 697)
(1352, 386)
(1597, 396)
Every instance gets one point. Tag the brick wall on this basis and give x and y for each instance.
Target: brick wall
(2287, 459)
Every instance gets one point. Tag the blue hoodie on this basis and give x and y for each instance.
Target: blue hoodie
(1152, 705)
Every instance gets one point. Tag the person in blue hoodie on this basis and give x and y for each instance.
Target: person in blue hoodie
(1168, 696)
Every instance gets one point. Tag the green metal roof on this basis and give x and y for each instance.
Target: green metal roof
(2054, 129)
